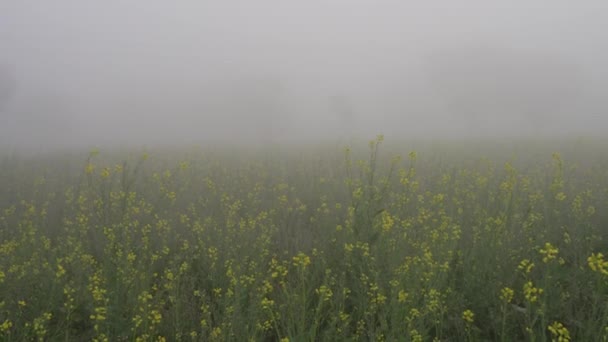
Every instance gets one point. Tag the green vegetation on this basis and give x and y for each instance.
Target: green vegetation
(468, 242)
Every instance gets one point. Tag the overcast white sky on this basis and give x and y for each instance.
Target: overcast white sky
(149, 71)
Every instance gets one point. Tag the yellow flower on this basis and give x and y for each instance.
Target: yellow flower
(155, 317)
(358, 193)
(597, 263)
(60, 271)
(414, 313)
(413, 155)
(531, 293)
(89, 168)
(267, 303)
(105, 173)
(131, 257)
(506, 294)
(468, 316)
(415, 336)
(348, 247)
(216, 332)
(526, 266)
(100, 314)
(301, 260)
(325, 293)
(559, 333)
(6, 325)
(402, 296)
(549, 252)
(387, 222)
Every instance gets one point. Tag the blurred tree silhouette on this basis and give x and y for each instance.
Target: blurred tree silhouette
(256, 107)
(342, 107)
(8, 85)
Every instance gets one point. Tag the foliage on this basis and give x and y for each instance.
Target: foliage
(305, 245)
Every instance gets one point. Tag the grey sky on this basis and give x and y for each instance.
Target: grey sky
(151, 71)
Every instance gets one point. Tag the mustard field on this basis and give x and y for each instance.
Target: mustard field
(378, 242)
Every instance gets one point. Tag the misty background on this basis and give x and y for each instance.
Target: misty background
(116, 72)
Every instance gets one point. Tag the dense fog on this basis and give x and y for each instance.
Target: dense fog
(146, 72)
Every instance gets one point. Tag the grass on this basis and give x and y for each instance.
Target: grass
(453, 242)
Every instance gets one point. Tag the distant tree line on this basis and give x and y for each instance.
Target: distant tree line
(480, 84)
